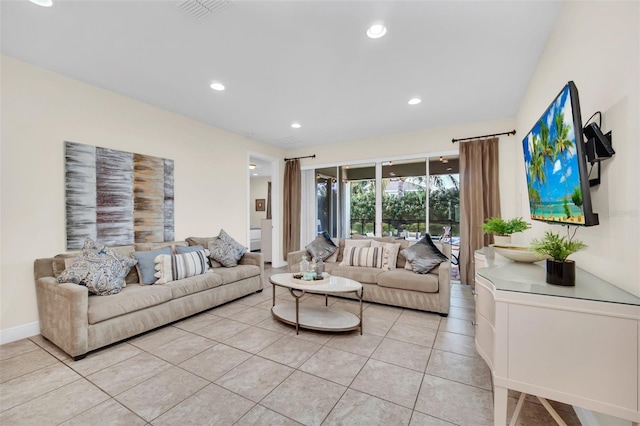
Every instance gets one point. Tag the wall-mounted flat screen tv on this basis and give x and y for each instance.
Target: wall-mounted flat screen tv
(556, 166)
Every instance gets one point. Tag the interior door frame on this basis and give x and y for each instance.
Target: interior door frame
(276, 186)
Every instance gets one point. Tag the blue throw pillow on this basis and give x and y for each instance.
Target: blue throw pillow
(146, 264)
(189, 249)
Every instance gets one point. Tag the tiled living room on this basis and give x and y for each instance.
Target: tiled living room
(202, 105)
(235, 364)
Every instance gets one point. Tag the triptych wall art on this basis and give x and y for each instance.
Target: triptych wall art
(117, 197)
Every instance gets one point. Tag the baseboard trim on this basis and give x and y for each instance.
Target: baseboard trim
(586, 417)
(20, 332)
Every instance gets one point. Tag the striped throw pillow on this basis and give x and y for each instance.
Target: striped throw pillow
(177, 266)
(371, 257)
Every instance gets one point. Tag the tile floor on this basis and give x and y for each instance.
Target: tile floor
(236, 365)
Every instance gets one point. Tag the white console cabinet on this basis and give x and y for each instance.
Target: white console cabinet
(578, 345)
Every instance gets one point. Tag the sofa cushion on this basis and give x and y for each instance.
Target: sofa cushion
(146, 263)
(202, 241)
(155, 246)
(322, 247)
(237, 273)
(387, 239)
(407, 280)
(424, 255)
(363, 256)
(361, 274)
(172, 267)
(132, 298)
(194, 284)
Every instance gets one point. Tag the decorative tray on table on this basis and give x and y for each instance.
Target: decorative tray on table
(518, 253)
(319, 279)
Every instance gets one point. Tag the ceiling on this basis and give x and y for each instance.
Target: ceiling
(304, 61)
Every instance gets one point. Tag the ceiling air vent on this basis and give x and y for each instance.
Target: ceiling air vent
(200, 9)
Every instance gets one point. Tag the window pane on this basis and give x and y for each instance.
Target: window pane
(404, 197)
(327, 200)
(360, 201)
(444, 197)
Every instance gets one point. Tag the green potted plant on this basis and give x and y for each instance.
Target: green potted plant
(502, 229)
(560, 270)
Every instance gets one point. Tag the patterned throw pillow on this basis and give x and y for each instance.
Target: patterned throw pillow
(363, 256)
(423, 256)
(146, 263)
(178, 266)
(322, 247)
(226, 250)
(390, 256)
(100, 269)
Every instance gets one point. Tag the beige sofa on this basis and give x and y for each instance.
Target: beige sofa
(396, 287)
(78, 322)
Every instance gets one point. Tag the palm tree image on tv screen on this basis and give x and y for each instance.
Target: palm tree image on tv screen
(551, 162)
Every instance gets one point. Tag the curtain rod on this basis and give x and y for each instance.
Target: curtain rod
(512, 132)
(299, 158)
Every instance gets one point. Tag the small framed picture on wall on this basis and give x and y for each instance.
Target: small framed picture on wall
(260, 205)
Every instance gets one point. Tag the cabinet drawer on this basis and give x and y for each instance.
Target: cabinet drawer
(485, 339)
(485, 302)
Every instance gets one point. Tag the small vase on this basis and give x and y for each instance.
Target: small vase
(502, 240)
(561, 273)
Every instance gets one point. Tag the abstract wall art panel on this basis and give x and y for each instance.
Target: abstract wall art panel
(116, 197)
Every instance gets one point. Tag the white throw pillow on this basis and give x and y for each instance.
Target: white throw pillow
(177, 266)
(390, 256)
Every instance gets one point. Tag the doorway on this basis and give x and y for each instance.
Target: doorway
(263, 202)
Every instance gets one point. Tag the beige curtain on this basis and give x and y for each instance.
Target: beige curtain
(292, 197)
(479, 199)
(269, 200)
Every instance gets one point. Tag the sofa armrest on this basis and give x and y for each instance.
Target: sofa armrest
(256, 259)
(294, 258)
(444, 286)
(63, 310)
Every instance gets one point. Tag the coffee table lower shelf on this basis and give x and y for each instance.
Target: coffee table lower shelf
(316, 317)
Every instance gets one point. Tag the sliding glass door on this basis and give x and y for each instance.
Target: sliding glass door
(405, 198)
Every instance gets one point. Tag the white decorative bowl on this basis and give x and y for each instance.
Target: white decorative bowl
(518, 253)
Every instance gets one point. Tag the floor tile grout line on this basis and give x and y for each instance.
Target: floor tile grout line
(108, 399)
(25, 352)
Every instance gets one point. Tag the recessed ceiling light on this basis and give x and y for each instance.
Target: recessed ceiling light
(414, 101)
(217, 86)
(252, 166)
(43, 3)
(445, 161)
(376, 31)
(449, 169)
(296, 125)
(255, 174)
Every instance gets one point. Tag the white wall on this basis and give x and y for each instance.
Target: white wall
(259, 189)
(41, 110)
(425, 142)
(597, 45)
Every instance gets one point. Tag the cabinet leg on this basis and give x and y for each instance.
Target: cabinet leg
(500, 398)
(516, 412)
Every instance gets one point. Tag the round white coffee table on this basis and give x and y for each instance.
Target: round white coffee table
(315, 317)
